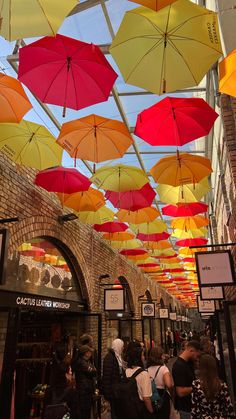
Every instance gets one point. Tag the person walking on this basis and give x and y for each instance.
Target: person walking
(183, 375)
(210, 396)
(85, 374)
(163, 380)
(112, 372)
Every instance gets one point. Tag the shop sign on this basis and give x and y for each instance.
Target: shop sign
(212, 293)
(183, 318)
(163, 313)
(179, 318)
(205, 306)
(148, 309)
(173, 316)
(4, 237)
(215, 268)
(114, 299)
(41, 302)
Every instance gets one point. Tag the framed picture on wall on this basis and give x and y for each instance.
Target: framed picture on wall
(205, 306)
(4, 237)
(212, 293)
(114, 299)
(163, 313)
(215, 268)
(148, 309)
(173, 316)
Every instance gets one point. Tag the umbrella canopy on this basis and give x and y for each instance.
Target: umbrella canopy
(189, 223)
(175, 121)
(61, 179)
(128, 244)
(111, 227)
(132, 200)
(162, 245)
(32, 251)
(143, 215)
(183, 36)
(185, 210)
(102, 215)
(95, 138)
(184, 251)
(156, 226)
(119, 178)
(181, 169)
(90, 200)
(155, 237)
(154, 4)
(134, 252)
(190, 234)
(118, 236)
(227, 83)
(138, 258)
(30, 144)
(33, 17)
(14, 103)
(72, 73)
(162, 255)
(183, 193)
(191, 242)
(147, 265)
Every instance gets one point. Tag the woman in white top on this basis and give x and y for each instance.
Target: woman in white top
(135, 358)
(163, 380)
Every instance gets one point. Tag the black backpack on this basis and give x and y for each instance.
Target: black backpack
(126, 398)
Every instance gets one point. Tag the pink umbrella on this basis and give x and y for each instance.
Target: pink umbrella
(110, 227)
(153, 237)
(132, 200)
(61, 179)
(133, 252)
(66, 72)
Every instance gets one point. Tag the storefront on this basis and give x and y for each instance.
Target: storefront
(41, 303)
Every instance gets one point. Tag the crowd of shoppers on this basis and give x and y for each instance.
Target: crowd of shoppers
(184, 387)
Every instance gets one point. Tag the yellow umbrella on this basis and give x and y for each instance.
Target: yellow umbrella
(189, 223)
(143, 215)
(102, 215)
(32, 18)
(154, 4)
(163, 252)
(156, 226)
(149, 45)
(183, 193)
(145, 261)
(186, 252)
(90, 200)
(119, 178)
(227, 83)
(128, 244)
(190, 234)
(169, 261)
(136, 258)
(30, 144)
(119, 236)
(181, 169)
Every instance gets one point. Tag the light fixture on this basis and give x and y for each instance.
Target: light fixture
(9, 220)
(67, 217)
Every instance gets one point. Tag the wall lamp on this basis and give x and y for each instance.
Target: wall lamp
(9, 220)
(67, 217)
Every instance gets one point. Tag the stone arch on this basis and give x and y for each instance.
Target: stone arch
(162, 304)
(61, 236)
(129, 295)
(148, 295)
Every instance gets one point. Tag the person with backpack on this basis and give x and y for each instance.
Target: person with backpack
(162, 383)
(113, 366)
(133, 394)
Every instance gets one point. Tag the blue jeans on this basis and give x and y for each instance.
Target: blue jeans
(184, 415)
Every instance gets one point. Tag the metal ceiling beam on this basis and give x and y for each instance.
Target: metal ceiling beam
(165, 152)
(88, 4)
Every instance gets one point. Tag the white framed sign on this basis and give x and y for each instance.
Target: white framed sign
(206, 314)
(173, 316)
(182, 318)
(163, 313)
(114, 299)
(215, 268)
(179, 318)
(205, 306)
(148, 309)
(212, 293)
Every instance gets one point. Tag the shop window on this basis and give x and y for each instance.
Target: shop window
(39, 267)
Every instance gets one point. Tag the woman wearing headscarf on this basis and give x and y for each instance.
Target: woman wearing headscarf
(112, 372)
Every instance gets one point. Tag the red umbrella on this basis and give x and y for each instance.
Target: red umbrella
(153, 237)
(61, 179)
(174, 270)
(185, 210)
(175, 121)
(191, 242)
(66, 72)
(110, 227)
(132, 200)
(133, 252)
(165, 257)
(33, 251)
(148, 265)
(189, 260)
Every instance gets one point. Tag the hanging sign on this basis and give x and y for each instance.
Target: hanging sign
(114, 299)
(148, 309)
(215, 268)
(163, 313)
(205, 306)
(173, 316)
(212, 293)
(4, 238)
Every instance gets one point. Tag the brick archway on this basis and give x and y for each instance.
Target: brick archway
(62, 236)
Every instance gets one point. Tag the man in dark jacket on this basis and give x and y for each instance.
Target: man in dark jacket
(112, 372)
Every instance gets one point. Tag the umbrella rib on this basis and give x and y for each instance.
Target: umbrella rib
(112, 142)
(9, 103)
(49, 24)
(179, 53)
(89, 75)
(183, 38)
(172, 31)
(50, 85)
(150, 22)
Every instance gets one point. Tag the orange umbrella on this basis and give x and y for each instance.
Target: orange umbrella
(227, 83)
(143, 215)
(90, 200)
(181, 169)
(189, 223)
(154, 4)
(95, 138)
(136, 258)
(120, 236)
(13, 100)
(163, 244)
